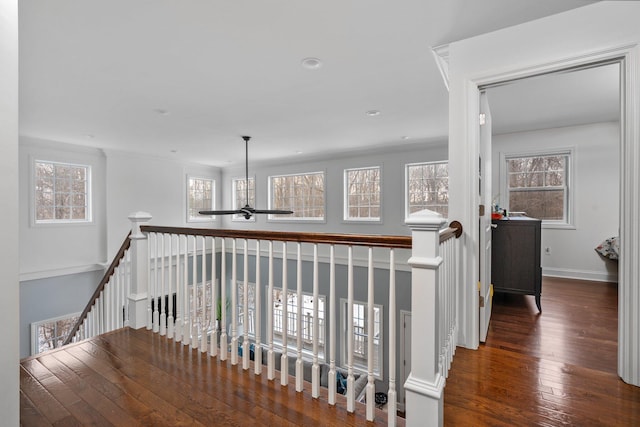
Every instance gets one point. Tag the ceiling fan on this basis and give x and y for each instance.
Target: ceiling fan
(247, 211)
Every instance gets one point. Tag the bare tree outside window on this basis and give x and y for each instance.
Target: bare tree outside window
(200, 196)
(303, 194)
(239, 191)
(362, 194)
(428, 187)
(537, 185)
(50, 334)
(61, 192)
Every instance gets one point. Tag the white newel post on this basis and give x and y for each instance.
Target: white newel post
(425, 385)
(139, 271)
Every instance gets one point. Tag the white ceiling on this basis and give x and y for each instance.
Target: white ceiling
(157, 76)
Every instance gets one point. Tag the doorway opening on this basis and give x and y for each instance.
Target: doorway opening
(555, 142)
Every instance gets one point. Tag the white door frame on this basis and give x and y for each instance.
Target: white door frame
(586, 35)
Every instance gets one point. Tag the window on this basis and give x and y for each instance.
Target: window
(239, 191)
(251, 305)
(361, 337)
(427, 187)
(62, 192)
(292, 323)
(51, 333)
(200, 196)
(538, 185)
(303, 194)
(362, 194)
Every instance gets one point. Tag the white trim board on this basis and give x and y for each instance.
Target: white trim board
(591, 276)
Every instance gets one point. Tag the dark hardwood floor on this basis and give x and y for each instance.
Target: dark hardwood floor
(134, 377)
(552, 368)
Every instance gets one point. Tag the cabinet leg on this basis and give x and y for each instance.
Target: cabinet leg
(538, 303)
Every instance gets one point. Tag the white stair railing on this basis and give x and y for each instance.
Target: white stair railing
(177, 283)
(434, 273)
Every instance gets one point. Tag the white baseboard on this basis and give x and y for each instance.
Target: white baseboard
(594, 276)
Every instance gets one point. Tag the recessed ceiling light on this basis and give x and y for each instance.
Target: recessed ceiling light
(298, 152)
(373, 113)
(90, 136)
(405, 137)
(311, 63)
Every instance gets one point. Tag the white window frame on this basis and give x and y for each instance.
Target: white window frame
(88, 194)
(307, 354)
(35, 339)
(240, 308)
(347, 202)
(200, 218)
(569, 205)
(293, 218)
(357, 365)
(235, 201)
(407, 206)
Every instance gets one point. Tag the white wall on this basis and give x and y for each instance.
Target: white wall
(595, 195)
(56, 249)
(9, 270)
(150, 184)
(392, 162)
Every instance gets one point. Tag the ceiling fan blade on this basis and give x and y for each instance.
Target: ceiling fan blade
(272, 211)
(227, 212)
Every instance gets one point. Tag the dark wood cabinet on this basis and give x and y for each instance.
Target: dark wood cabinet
(515, 256)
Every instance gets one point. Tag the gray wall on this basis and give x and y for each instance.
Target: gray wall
(52, 297)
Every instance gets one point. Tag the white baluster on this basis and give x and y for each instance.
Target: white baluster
(204, 325)
(315, 368)
(170, 317)
(245, 308)
(213, 345)
(284, 362)
(234, 303)
(120, 295)
(392, 399)
(224, 348)
(101, 329)
(186, 303)
(193, 309)
(177, 331)
(107, 304)
(350, 378)
(370, 389)
(257, 362)
(162, 302)
(127, 288)
(149, 285)
(156, 313)
(299, 366)
(270, 354)
(332, 328)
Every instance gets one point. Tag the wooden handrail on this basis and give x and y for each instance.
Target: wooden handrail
(454, 230)
(400, 242)
(96, 294)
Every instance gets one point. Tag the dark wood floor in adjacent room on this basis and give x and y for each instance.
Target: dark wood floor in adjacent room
(552, 368)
